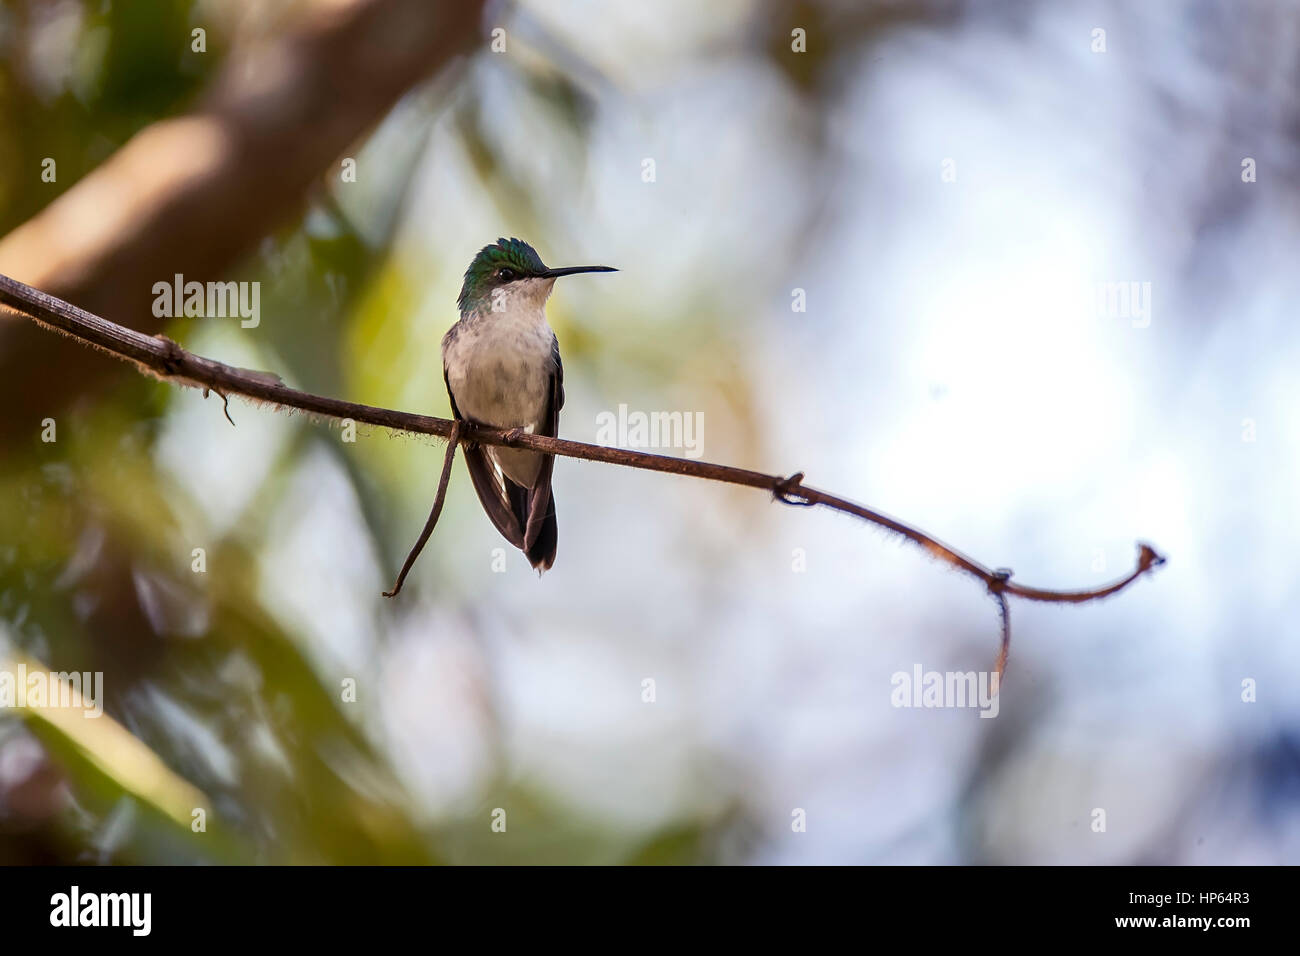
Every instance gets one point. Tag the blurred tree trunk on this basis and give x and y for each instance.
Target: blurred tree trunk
(193, 195)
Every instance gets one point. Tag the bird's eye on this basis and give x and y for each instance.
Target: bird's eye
(506, 275)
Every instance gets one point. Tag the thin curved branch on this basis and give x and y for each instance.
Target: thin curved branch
(453, 440)
(162, 358)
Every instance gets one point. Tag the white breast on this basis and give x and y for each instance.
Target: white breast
(499, 369)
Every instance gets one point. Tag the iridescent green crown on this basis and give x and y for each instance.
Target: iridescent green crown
(480, 278)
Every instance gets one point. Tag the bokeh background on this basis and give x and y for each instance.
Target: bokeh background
(948, 183)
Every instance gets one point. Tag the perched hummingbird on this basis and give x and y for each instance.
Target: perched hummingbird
(501, 362)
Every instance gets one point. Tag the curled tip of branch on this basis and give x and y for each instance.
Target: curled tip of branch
(1148, 557)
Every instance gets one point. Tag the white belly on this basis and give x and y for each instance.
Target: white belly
(499, 369)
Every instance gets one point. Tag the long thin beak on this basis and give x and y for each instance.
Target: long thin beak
(574, 270)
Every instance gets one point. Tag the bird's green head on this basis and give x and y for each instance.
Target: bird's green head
(508, 261)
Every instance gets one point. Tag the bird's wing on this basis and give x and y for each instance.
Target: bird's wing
(490, 484)
(559, 384)
(539, 498)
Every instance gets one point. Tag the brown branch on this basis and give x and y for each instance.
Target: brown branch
(161, 357)
(452, 441)
(1004, 649)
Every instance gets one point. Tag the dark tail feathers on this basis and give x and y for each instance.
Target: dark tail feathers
(542, 554)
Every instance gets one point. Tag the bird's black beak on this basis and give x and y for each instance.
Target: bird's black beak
(574, 270)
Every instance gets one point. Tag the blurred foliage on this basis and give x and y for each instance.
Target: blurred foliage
(78, 79)
(211, 699)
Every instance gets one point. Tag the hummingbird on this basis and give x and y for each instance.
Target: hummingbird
(501, 363)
